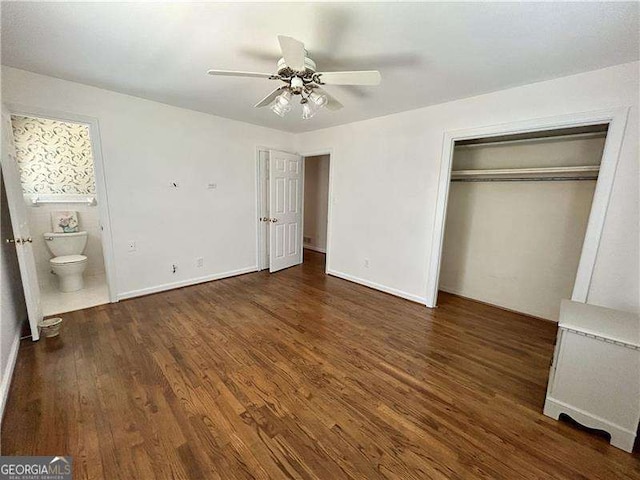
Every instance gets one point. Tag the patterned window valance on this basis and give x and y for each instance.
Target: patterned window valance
(53, 157)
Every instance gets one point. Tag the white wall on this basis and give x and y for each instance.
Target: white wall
(13, 310)
(146, 146)
(316, 198)
(385, 178)
(518, 244)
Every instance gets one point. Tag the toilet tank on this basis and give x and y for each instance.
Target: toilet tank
(61, 244)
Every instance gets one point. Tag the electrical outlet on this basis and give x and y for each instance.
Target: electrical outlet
(212, 186)
(131, 246)
(174, 268)
(199, 262)
(366, 263)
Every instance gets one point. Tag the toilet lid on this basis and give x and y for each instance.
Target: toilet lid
(68, 259)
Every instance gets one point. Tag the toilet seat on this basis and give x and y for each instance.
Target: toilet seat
(68, 259)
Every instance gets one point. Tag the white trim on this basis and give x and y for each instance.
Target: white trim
(186, 283)
(617, 120)
(101, 183)
(7, 375)
(314, 248)
(303, 163)
(621, 437)
(260, 256)
(377, 286)
(330, 199)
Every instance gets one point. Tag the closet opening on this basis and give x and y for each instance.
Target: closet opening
(293, 209)
(516, 216)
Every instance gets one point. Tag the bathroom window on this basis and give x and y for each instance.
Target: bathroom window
(55, 158)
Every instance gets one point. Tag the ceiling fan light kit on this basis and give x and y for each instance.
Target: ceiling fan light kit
(282, 104)
(298, 72)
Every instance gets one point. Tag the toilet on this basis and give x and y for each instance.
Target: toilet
(68, 263)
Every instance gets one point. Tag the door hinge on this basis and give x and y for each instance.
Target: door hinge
(19, 241)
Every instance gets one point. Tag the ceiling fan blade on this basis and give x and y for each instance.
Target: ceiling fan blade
(364, 77)
(269, 98)
(332, 103)
(231, 73)
(293, 52)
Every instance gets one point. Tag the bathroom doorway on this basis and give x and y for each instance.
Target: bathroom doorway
(56, 166)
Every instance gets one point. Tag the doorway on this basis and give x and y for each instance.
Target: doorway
(314, 182)
(57, 199)
(316, 203)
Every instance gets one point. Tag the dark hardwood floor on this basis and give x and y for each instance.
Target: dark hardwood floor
(298, 375)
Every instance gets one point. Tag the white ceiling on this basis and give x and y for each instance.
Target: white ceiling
(427, 53)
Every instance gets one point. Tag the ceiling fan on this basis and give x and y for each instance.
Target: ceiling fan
(298, 72)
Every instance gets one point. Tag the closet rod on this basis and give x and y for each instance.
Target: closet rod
(523, 179)
(542, 172)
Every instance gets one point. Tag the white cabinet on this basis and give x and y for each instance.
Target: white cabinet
(595, 374)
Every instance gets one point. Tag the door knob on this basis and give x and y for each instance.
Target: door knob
(27, 240)
(10, 240)
(274, 220)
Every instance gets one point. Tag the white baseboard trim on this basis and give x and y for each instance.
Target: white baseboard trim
(185, 283)
(377, 286)
(314, 248)
(621, 437)
(453, 291)
(7, 375)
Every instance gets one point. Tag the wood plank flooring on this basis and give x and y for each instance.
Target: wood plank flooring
(297, 375)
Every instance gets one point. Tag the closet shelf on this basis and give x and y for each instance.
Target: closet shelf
(582, 172)
(542, 139)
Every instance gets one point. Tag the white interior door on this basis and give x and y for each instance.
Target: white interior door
(285, 210)
(20, 224)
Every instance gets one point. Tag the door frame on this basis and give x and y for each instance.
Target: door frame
(316, 153)
(258, 190)
(616, 118)
(100, 174)
(258, 198)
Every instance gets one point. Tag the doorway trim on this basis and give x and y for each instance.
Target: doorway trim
(258, 193)
(258, 203)
(616, 118)
(101, 185)
(331, 153)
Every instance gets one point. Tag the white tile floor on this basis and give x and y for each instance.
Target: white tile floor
(95, 292)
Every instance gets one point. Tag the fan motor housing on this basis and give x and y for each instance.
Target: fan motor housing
(286, 72)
